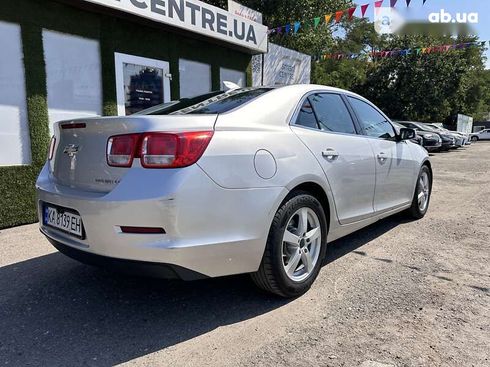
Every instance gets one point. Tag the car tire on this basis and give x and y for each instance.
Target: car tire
(474, 139)
(280, 271)
(422, 195)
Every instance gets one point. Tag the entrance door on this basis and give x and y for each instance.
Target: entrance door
(141, 83)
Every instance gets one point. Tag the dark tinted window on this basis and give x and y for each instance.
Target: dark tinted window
(373, 122)
(306, 116)
(331, 113)
(225, 102)
(209, 103)
(173, 106)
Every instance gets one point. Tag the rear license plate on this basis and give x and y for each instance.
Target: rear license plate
(63, 219)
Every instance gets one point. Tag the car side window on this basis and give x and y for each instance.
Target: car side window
(306, 116)
(332, 113)
(373, 122)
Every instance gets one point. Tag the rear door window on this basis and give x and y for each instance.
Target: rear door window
(332, 113)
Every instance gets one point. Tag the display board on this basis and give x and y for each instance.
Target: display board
(73, 75)
(15, 145)
(281, 66)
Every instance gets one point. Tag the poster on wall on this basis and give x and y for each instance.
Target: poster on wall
(141, 83)
(281, 66)
(143, 87)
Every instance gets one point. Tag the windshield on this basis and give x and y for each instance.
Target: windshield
(207, 104)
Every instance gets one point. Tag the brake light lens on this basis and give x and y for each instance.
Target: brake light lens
(168, 150)
(158, 149)
(121, 150)
(52, 145)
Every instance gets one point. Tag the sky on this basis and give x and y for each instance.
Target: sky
(418, 12)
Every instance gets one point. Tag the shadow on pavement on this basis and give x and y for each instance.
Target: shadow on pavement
(55, 311)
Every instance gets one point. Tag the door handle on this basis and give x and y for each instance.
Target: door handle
(330, 154)
(382, 157)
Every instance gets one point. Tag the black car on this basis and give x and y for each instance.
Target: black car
(431, 140)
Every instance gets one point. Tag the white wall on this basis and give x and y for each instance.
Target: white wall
(230, 75)
(15, 145)
(73, 74)
(195, 78)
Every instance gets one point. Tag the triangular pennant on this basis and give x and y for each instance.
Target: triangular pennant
(279, 30)
(393, 3)
(288, 28)
(377, 4)
(351, 12)
(316, 21)
(408, 2)
(297, 25)
(338, 16)
(327, 18)
(363, 9)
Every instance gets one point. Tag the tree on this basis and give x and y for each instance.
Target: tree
(426, 87)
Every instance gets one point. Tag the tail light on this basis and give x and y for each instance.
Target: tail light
(52, 145)
(157, 149)
(163, 150)
(121, 150)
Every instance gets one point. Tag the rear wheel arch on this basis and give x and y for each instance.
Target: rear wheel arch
(317, 192)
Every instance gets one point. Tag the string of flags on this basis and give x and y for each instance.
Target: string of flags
(294, 27)
(400, 52)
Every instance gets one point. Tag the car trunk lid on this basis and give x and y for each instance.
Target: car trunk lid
(80, 154)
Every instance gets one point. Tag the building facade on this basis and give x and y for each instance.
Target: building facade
(80, 58)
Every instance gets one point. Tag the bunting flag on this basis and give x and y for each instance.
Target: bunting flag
(363, 9)
(294, 27)
(351, 12)
(316, 22)
(297, 25)
(402, 52)
(338, 15)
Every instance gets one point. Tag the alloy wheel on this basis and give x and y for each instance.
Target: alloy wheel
(424, 191)
(301, 244)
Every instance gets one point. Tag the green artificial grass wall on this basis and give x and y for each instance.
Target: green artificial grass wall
(17, 193)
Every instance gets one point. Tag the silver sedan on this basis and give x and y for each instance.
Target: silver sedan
(253, 180)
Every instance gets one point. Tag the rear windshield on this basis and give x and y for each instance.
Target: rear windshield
(207, 104)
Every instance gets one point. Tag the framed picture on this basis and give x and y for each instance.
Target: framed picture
(140, 83)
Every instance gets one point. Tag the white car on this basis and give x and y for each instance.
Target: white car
(255, 180)
(481, 135)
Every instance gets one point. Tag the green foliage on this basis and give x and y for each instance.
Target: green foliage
(428, 87)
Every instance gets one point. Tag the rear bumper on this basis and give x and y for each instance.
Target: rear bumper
(208, 229)
(133, 267)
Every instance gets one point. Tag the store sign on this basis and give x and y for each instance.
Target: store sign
(281, 66)
(197, 16)
(244, 12)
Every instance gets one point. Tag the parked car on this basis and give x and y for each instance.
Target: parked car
(448, 141)
(430, 141)
(481, 135)
(462, 139)
(255, 180)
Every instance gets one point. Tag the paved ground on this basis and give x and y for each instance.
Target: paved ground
(397, 293)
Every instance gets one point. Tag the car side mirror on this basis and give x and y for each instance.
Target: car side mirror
(406, 134)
